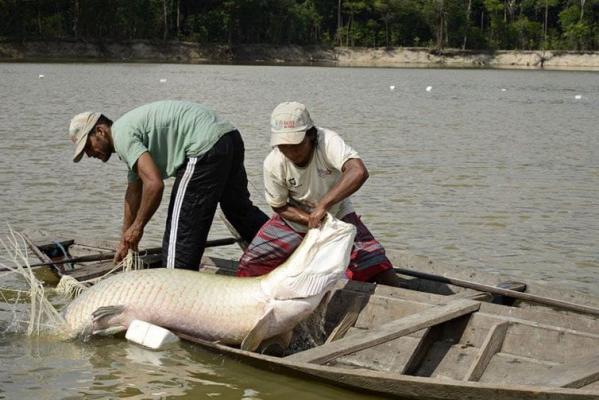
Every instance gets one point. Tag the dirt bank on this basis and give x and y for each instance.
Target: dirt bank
(186, 52)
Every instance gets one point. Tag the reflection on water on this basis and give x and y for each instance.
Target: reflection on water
(491, 169)
(114, 368)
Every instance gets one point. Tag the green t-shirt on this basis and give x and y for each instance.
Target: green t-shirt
(171, 131)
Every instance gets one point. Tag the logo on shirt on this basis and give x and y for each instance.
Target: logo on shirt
(324, 172)
(292, 182)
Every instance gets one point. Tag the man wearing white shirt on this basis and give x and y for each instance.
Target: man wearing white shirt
(309, 172)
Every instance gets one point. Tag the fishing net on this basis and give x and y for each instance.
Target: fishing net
(42, 315)
(27, 308)
(71, 287)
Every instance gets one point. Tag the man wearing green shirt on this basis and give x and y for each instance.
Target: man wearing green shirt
(181, 139)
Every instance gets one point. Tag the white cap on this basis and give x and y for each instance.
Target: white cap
(81, 125)
(288, 123)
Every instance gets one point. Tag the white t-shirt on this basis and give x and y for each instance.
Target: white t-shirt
(303, 187)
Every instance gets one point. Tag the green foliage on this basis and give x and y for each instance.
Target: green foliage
(529, 33)
(473, 24)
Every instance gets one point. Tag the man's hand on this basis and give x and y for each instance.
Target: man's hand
(132, 236)
(130, 240)
(121, 252)
(316, 217)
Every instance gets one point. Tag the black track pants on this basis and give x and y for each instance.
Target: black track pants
(217, 176)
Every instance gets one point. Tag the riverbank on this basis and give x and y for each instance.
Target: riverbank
(193, 53)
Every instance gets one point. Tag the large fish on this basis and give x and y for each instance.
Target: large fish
(230, 310)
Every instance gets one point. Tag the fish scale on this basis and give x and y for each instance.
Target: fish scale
(216, 307)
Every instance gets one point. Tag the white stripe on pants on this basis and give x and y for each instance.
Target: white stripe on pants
(172, 243)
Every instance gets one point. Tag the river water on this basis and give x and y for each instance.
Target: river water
(493, 169)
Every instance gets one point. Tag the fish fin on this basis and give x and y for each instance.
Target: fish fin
(276, 345)
(258, 333)
(106, 312)
(113, 330)
(100, 317)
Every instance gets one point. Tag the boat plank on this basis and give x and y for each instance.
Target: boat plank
(35, 247)
(380, 310)
(490, 347)
(422, 263)
(512, 369)
(393, 384)
(349, 318)
(446, 360)
(566, 344)
(575, 374)
(390, 356)
(429, 336)
(90, 271)
(390, 303)
(389, 331)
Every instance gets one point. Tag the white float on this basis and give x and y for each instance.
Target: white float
(149, 335)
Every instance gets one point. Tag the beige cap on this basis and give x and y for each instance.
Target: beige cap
(288, 123)
(81, 125)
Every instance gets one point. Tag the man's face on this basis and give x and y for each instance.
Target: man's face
(300, 153)
(98, 145)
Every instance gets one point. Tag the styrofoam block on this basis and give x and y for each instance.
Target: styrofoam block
(149, 335)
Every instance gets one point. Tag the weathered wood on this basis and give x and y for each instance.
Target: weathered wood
(478, 296)
(45, 247)
(544, 315)
(557, 345)
(109, 255)
(513, 369)
(565, 305)
(389, 331)
(473, 274)
(577, 373)
(424, 343)
(348, 319)
(490, 347)
(445, 360)
(404, 386)
(389, 356)
(380, 310)
(40, 254)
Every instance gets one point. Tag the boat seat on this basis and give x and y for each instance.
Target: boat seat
(574, 374)
(386, 332)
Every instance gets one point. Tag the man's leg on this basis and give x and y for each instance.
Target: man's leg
(389, 278)
(368, 261)
(235, 201)
(197, 190)
(272, 245)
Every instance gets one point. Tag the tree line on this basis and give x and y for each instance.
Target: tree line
(465, 24)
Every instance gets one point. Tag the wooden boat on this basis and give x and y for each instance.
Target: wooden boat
(430, 340)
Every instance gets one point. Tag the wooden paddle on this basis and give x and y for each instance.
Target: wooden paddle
(110, 255)
(565, 305)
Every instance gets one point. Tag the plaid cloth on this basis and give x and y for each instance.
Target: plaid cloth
(276, 240)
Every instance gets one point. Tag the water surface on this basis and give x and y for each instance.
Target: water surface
(492, 169)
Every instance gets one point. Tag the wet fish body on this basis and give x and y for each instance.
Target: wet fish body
(230, 310)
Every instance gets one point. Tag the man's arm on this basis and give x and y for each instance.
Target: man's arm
(291, 213)
(354, 174)
(132, 202)
(151, 187)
